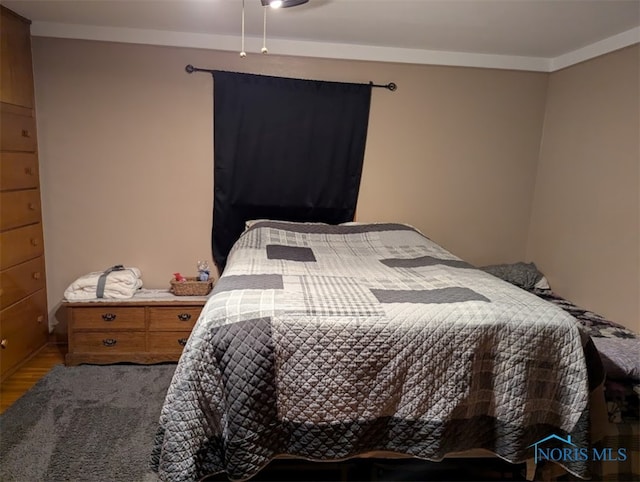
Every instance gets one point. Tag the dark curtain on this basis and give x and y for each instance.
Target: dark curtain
(285, 149)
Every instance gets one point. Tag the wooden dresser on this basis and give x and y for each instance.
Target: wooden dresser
(23, 299)
(151, 327)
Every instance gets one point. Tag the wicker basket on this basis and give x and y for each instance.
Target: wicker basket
(191, 287)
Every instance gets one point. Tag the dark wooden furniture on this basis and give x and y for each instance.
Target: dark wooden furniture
(23, 300)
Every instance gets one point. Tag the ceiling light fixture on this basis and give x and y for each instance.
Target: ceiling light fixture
(282, 3)
(272, 4)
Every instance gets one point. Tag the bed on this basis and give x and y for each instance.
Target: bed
(328, 342)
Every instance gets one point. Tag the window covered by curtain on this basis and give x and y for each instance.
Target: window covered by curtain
(285, 149)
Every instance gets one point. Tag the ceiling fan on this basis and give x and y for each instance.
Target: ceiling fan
(272, 4)
(282, 3)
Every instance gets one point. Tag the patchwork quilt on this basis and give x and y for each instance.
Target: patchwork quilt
(325, 342)
(619, 347)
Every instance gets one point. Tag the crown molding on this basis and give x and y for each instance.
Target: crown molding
(616, 42)
(305, 48)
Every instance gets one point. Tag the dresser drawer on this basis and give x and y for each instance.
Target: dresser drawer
(23, 330)
(20, 281)
(19, 208)
(17, 132)
(168, 341)
(106, 342)
(19, 245)
(173, 319)
(18, 170)
(108, 318)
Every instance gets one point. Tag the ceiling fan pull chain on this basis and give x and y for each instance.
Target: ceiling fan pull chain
(264, 32)
(243, 54)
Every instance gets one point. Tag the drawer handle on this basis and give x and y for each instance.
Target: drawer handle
(40, 318)
(28, 171)
(36, 275)
(109, 342)
(3, 343)
(31, 206)
(184, 316)
(108, 317)
(34, 242)
(26, 133)
(182, 341)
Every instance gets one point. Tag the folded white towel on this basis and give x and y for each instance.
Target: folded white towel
(120, 284)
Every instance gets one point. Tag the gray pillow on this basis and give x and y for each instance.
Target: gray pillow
(524, 275)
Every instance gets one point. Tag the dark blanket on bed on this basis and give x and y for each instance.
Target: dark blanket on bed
(619, 350)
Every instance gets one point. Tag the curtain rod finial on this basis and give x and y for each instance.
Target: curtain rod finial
(190, 69)
(390, 86)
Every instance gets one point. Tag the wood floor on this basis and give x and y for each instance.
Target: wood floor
(32, 371)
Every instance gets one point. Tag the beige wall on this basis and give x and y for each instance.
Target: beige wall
(125, 138)
(585, 221)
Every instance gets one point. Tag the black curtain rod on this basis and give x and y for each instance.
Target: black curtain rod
(191, 69)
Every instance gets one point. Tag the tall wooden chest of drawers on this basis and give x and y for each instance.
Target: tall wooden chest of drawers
(151, 327)
(23, 300)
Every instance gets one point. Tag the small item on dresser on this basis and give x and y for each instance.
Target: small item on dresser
(179, 277)
(190, 286)
(203, 271)
(117, 282)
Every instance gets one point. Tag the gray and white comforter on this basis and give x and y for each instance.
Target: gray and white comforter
(325, 342)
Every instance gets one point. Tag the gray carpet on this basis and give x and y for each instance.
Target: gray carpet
(85, 423)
